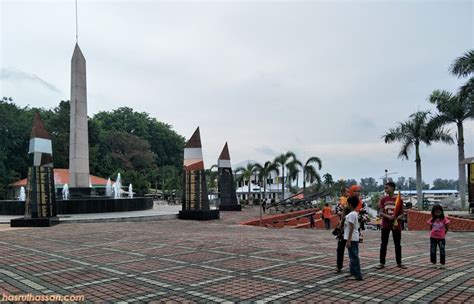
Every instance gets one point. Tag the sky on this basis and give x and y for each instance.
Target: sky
(320, 78)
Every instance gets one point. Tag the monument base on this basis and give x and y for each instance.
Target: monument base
(79, 192)
(34, 222)
(233, 207)
(199, 215)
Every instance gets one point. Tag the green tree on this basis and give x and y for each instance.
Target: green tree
(445, 184)
(57, 122)
(211, 178)
(454, 108)
(264, 172)
(294, 168)
(411, 133)
(463, 66)
(281, 161)
(374, 202)
(368, 185)
(328, 180)
(310, 172)
(169, 179)
(15, 130)
(246, 173)
(165, 143)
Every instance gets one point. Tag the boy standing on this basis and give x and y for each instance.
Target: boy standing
(390, 223)
(351, 236)
(327, 214)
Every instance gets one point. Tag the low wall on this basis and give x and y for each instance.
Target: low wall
(77, 206)
(277, 217)
(417, 220)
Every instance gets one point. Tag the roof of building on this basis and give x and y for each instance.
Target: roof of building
(61, 177)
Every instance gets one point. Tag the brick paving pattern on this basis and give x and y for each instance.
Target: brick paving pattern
(194, 262)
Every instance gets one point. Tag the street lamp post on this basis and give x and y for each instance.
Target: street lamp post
(385, 177)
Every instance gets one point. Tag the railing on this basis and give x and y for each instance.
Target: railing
(292, 202)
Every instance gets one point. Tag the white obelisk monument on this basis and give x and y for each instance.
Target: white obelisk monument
(79, 134)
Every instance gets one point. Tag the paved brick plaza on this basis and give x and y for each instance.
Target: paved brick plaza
(184, 261)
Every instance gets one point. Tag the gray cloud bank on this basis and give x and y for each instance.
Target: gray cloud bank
(319, 78)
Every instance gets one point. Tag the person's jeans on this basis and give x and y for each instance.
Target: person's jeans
(354, 262)
(341, 247)
(397, 237)
(442, 253)
(327, 223)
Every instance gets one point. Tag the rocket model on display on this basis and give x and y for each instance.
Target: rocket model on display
(226, 184)
(195, 187)
(41, 197)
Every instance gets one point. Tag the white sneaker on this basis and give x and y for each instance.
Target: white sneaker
(442, 267)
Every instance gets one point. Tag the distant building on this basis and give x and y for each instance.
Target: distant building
(273, 186)
(433, 196)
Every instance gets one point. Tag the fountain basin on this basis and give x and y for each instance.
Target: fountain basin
(84, 205)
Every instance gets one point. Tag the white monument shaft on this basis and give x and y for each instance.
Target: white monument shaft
(79, 134)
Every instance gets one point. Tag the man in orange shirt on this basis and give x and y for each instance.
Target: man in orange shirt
(327, 214)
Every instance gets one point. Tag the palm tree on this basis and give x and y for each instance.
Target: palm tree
(328, 180)
(310, 173)
(411, 133)
(211, 177)
(457, 108)
(282, 161)
(264, 172)
(454, 109)
(294, 171)
(246, 174)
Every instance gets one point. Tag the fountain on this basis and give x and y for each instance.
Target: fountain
(130, 191)
(22, 196)
(108, 188)
(65, 192)
(117, 186)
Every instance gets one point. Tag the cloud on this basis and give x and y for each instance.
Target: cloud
(15, 75)
(266, 151)
(314, 77)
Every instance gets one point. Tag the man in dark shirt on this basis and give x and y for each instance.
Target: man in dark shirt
(390, 223)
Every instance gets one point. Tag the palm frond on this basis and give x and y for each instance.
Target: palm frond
(464, 65)
(466, 92)
(439, 96)
(438, 121)
(394, 134)
(443, 135)
(314, 159)
(405, 149)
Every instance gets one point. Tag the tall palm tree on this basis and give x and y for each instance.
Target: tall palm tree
(294, 168)
(282, 160)
(310, 173)
(454, 109)
(246, 174)
(411, 133)
(264, 172)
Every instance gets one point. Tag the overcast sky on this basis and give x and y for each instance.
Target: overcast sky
(319, 78)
